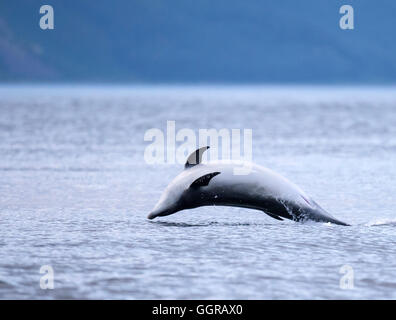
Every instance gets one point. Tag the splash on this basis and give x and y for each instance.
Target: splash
(382, 222)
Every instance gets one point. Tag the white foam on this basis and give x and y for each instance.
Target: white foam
(381, 222)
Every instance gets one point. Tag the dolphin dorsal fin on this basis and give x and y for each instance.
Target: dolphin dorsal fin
(204, 180)
(195, 157)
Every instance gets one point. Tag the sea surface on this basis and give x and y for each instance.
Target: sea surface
(75, 192)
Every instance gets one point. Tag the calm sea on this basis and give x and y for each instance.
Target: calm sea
(75, 192)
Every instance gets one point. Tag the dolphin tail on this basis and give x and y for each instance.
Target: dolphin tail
(321, 215)
(314, 213)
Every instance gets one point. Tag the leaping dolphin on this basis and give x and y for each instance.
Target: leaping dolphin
(214, 183)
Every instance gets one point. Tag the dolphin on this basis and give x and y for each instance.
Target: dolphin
(215, 184)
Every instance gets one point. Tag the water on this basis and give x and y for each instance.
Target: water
(75, 192)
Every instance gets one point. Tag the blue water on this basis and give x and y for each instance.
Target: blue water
(75, 192)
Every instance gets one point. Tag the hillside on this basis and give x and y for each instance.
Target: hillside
(285, 41)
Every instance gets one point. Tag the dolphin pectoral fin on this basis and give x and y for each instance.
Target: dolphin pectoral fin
(195, 157)
(204, 180)
(273, 216)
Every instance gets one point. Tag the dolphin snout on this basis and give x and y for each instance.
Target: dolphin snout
(161, 212)
(153, 215)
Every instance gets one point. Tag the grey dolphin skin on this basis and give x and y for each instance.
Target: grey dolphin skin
(215, 183)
